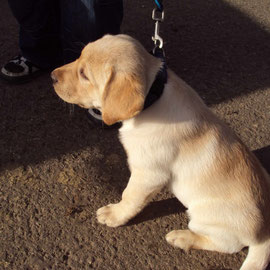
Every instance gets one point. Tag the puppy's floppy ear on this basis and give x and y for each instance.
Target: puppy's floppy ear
(123, 97)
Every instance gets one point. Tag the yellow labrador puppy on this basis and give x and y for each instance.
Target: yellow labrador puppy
(178, 142)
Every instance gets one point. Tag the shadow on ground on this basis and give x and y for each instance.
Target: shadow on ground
(216, 48)
(158, 209)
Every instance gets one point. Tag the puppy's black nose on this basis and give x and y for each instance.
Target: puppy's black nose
(54, 79)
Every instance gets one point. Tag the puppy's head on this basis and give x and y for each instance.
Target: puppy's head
(113, 74)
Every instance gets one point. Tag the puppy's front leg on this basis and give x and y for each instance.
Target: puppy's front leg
(142, 186)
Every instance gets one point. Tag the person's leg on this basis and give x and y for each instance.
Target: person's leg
(109, 15)
(84, 21)
(39, 37)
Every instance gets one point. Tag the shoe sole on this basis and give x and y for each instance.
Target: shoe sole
(22, 79)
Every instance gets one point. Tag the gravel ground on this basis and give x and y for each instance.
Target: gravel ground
(56, 170)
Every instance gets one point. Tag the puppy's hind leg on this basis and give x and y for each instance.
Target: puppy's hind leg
(186, 239)
(142, 186)
(214, 239)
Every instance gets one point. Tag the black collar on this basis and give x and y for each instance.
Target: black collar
(158, 85)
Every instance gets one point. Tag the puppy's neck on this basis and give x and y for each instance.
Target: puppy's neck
(179, 105)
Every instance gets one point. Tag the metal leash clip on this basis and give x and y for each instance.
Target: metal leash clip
(158, 41)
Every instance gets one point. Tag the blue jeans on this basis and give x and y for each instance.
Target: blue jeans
(53, 32)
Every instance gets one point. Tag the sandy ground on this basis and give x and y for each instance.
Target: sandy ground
(56, 170)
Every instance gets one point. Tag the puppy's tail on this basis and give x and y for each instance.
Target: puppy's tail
(258, 257)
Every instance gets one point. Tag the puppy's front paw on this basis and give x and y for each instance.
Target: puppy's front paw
(112, 215)
(180, 238)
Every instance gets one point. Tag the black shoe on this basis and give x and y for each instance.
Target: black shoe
(95, 118)
(19, 70)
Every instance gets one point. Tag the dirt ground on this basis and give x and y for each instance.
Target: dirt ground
(56, 170)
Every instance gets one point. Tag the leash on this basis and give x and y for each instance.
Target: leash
(158, 85)
(158, 17)
(159, 4)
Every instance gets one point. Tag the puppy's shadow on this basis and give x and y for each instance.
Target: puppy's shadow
(158, 209)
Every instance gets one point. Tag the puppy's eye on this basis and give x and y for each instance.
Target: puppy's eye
(82, 74)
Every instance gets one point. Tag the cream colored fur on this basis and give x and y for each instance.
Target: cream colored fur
(177, 142)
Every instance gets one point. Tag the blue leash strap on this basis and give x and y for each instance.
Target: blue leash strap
(159, 5)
